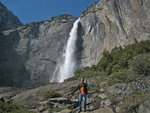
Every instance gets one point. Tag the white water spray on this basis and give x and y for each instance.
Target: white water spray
(68, 67)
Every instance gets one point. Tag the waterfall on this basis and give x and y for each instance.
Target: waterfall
(68, 66)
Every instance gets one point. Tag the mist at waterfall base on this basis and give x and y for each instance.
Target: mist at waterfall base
(69, 65)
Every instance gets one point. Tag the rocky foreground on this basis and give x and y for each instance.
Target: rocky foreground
(102, 98)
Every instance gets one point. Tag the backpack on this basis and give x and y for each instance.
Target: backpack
(83, 90)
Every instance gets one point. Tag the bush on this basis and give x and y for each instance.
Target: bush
(86, 72)
(105, 60)
(6, 107)
(51, 94)
(140, 65)
(12, 108)
(121, 76)
(118, 58)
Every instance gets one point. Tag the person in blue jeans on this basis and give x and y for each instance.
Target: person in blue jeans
(82, 87)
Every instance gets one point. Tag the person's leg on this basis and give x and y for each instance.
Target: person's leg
(84, 102)
(80, 99)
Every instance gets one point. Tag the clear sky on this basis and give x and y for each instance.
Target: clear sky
(37, 10)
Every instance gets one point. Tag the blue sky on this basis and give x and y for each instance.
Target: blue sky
(37, 10)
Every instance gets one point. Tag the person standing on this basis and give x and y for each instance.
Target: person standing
(82, 87)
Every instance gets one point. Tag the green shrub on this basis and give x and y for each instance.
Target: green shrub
(140, 65)
(12, 108)
(118, 58)
(105, 60)
(6, 107)
(51, 94)
(86, 73)
(120, 76)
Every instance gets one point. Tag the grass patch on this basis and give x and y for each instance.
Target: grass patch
(12, 108)
(56, 109)
(51, 94)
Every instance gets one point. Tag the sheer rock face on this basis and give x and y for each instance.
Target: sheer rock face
(113, 23)
(7, 19)
(30, 53)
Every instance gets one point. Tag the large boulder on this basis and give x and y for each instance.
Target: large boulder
(144, 107)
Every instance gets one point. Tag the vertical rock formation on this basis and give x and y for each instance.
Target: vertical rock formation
(7, 19)
(112, 23)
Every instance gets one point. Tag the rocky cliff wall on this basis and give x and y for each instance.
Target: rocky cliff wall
(29, 53)
(7, 19)
(113, 23)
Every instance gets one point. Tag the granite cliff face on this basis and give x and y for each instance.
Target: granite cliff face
(30, 53)
(7, 19)
(113, 23)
